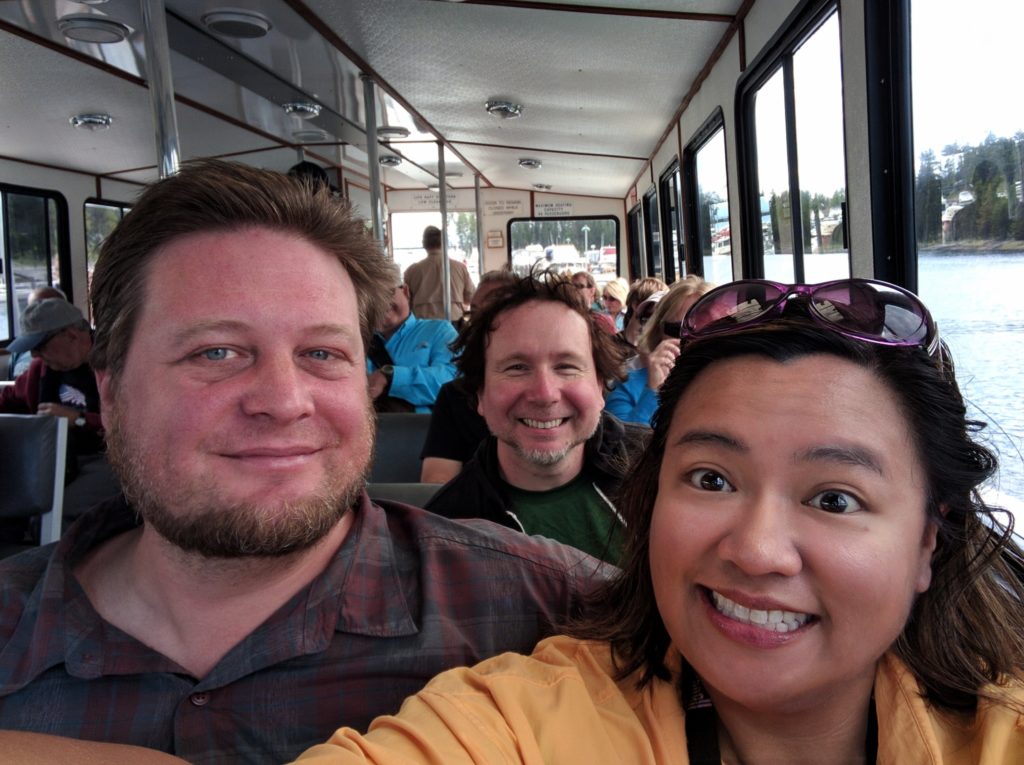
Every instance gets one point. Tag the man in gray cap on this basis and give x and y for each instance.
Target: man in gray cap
(59, 381)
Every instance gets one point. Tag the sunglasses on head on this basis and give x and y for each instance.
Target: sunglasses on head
(862, 309)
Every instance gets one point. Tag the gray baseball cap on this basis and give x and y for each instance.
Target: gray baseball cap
(41, 320)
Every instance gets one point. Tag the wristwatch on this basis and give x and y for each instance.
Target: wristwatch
(389, 373)
(80, 421)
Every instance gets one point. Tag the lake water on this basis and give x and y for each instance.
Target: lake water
(978, 301)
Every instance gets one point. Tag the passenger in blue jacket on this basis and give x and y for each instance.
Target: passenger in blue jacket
(408, 359)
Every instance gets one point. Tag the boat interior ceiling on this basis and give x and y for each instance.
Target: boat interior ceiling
(599, 82)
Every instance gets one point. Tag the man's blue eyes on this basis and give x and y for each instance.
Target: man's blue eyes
(215, 354)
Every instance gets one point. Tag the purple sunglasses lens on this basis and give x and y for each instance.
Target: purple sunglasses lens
(731, 305)
(872, 311)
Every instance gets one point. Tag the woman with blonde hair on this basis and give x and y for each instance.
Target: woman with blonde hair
(636, 398)
(614, 298)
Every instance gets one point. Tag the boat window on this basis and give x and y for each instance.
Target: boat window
(635, 222)
(101, 218)
(969, 212)
(710, 232)
(568, 245)
(406, 238)
(652, 235)
(792, 138)
(670, 197)
(33, 249)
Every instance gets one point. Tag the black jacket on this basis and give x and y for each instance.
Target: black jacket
(477, 491)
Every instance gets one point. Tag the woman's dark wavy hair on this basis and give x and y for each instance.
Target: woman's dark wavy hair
(537, 286)
(964, 632)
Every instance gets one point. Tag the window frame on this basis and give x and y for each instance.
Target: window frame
(63, 227)
(649, 204)
(670, 187)
(613, 218)
(704, 134)
(635, 239)
(799, 26)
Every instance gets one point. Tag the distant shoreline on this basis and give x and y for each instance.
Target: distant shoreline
(994, 247)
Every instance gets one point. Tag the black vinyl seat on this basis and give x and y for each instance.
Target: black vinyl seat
(400, 437)
(33, 452)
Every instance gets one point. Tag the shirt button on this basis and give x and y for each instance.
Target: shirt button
(200, 699)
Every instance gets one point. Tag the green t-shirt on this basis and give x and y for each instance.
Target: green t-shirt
(575, 514)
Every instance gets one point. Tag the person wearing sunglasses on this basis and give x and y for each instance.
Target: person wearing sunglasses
(811, 574)
(636, 398)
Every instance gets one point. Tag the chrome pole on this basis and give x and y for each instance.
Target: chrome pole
(370, 103)
(161, 85)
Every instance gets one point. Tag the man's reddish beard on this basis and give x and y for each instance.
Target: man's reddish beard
(189, 515)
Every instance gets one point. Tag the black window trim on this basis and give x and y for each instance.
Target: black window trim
(711, 125)
(508, 230)
(63, 238)
(665, 209)
(777, 55)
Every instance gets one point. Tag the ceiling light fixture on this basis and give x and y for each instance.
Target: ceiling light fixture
(434, 188)
(542, 186)
(92, 29)
(390, 160)
(304, 110)
(91, 121)
(530, 163)
(309, 136)
(506, 110)
(227, 22)
(390, 132)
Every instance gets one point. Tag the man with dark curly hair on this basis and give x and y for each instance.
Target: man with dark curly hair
(537, 365)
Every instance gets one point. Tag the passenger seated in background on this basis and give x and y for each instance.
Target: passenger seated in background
(20, 361)
(614, 299)
(639, 291)
(408, 359)
(456, 428)
(59, 380)
(246, 595)
(811, 574)
(636, 398)
(536, 364)
(584, 281)
(425, 280)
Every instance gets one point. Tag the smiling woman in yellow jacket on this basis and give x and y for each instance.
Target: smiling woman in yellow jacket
(811, 576)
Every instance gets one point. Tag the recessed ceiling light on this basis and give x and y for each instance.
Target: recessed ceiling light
(92, 29)
(542, 186)
(91, 121)
(234, 23)
(529, 163)
(302, 109)
(389, 160)
(433, 188)
(310, 136)
(388, 132)
(504, 109)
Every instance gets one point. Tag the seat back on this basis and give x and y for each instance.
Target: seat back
(400, 437)
(33, 450)
(416, 494)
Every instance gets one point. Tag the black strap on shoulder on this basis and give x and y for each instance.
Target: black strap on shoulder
(702, 736)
